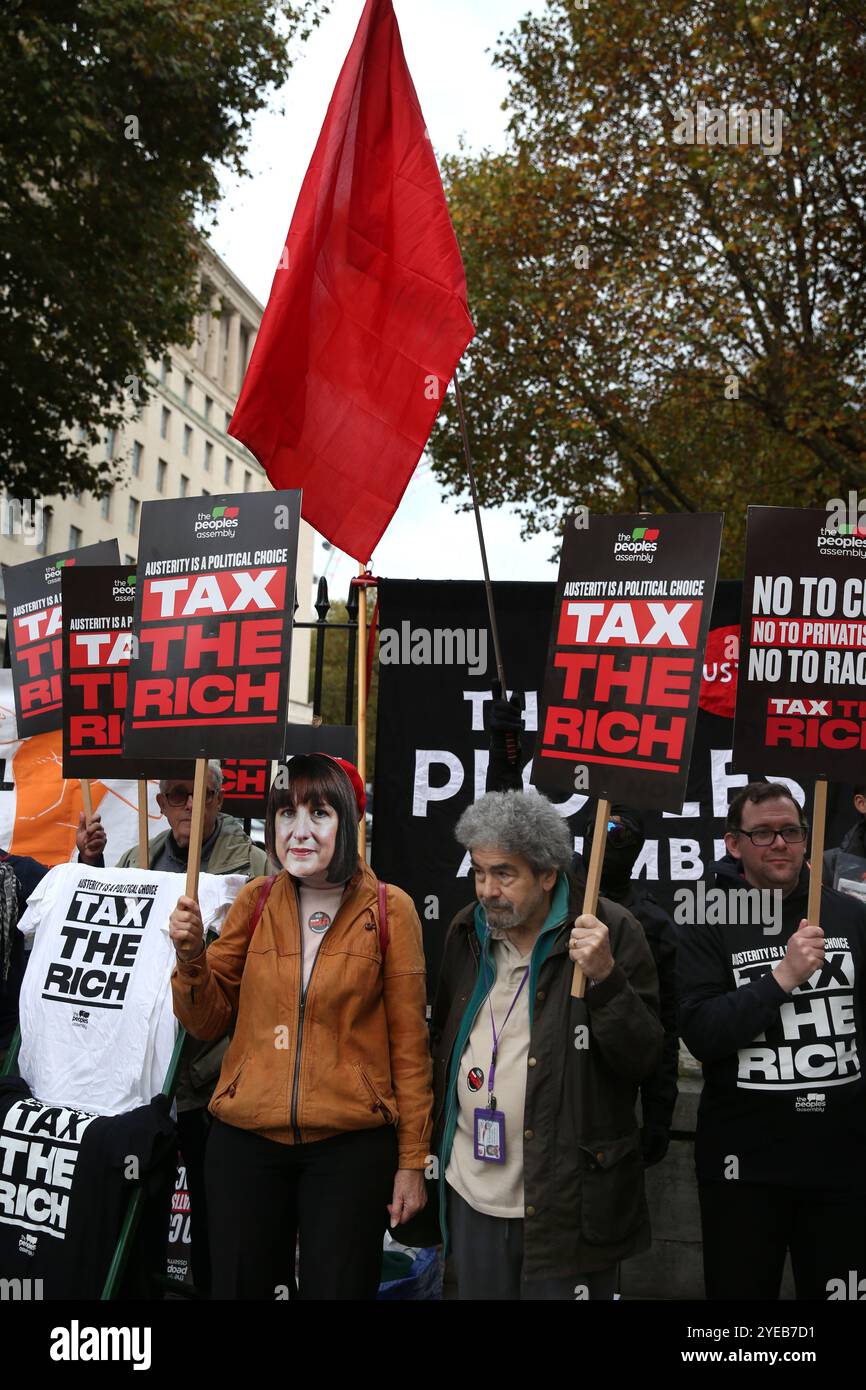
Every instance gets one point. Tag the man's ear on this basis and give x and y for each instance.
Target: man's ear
(860, 803)
(732, 844)
(160, 801)
(548, 879)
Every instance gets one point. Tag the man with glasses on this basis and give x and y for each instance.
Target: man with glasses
(772, 1007)
(225, 849)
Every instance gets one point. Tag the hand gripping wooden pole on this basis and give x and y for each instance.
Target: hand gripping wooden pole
(593, 883)
(193, 862)
(816, 861)
(143, 845)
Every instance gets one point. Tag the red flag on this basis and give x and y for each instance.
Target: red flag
(367, 317)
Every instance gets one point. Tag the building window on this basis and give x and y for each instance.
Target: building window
(204, 492)
(161, 471)
(77, 495)
(75, 534)
(187, 440)
(228, 477)
(105, 507)
(184, 485)
(208, 407)
(165, 371)
(110, 441)
(228, 420)
(44, 546)
(248, 478)
(208, 455)
(164, 423)
(129, 559)
(187, 388)
(137, 452)
(245, 348)
(132, 524)
(82, 435)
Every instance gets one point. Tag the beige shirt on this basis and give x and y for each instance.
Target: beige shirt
(494, 1188)
(318, 910)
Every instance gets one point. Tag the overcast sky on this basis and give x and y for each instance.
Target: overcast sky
(448, 45)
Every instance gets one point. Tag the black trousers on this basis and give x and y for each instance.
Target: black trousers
(331, 1197)
(193, 1127)
(748, 1228)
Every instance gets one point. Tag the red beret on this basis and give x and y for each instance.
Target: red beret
(354, 777)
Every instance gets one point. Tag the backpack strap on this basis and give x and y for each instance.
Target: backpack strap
(383, 920)
(260, 904)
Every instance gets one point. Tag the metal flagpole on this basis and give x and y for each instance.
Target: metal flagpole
(500, 669)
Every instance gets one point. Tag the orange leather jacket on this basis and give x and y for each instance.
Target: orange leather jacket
(354, 1054)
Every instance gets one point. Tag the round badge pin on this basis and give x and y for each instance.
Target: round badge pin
(319, 921)
(475, 1078)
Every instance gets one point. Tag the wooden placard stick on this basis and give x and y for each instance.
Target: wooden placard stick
(816, 860)
(143, 841)
(193, 863)
(86, 799)
(593, 883)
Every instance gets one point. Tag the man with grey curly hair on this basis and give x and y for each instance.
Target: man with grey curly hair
(534, 1121)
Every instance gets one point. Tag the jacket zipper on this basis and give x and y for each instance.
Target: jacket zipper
(302, 1003)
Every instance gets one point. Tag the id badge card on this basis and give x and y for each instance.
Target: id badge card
(490, 1136)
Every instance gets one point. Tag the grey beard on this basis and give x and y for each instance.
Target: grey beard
(500, 933)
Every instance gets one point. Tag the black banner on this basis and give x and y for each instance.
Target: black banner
(630, 622)
(213, 627)
(802, 694)
(432, 749)
(34, 632)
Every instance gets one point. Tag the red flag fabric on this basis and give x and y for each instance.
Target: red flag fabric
(367, 316)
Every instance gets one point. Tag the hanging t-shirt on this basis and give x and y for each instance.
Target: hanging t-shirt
(97, 1024)
(494, 1188)
(66, 1176)
(318, 908)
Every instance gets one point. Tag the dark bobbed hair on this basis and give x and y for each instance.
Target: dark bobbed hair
(311, 780)
(758, 792)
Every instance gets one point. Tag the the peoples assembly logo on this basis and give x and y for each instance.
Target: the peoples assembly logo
(81, 1018)
(812, 1103)
(27, 1244)
(124, 589)
(641, 544)
(846, 540)
(220, 523)
(52, 571)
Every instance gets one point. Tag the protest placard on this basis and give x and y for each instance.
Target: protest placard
(34, 624)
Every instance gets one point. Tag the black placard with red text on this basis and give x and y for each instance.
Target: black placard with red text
(801, 700)
(631, 617)
(213, 627)
(97, 641)
(33, 613)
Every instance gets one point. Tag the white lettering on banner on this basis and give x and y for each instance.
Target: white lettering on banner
(813, 1038)
(479, 698)
(51, 617)
(94, 642)
(39, 1146)
(424, 791)
(620, 624)
(206, 596)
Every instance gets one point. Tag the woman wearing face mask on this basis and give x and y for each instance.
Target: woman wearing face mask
(322, 1111)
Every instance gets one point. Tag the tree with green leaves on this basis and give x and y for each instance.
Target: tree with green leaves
(115, 116)
(669, 294)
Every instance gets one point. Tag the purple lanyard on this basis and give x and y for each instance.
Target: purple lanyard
(496, 1036)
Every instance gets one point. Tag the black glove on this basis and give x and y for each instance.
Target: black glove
(505, 723)
(654, 1145)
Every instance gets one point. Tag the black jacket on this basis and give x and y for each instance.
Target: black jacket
(583, 1174)
(783, 1087)
(28, 872)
